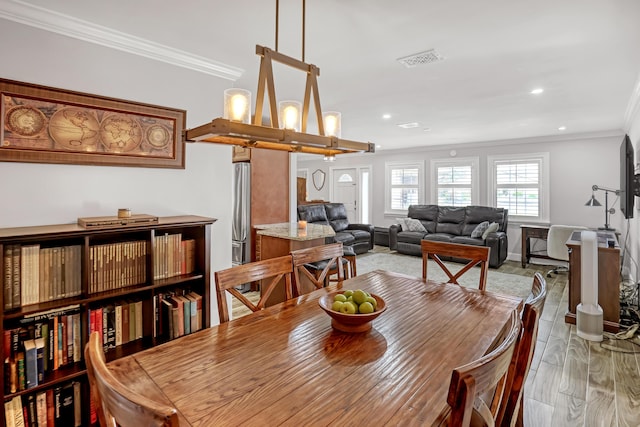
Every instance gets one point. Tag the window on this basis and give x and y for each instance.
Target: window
(454, 182)
(403, 186)
(520, 184)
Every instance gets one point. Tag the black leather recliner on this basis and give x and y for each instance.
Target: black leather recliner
(357, 236)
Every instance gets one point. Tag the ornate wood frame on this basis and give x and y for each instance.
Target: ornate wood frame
(47, 125)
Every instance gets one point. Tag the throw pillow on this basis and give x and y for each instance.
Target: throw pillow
(479, 230)
(493, 227)
(414, 225)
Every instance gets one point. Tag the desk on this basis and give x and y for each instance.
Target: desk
(285, 364)
(528, 232)
(608, 281)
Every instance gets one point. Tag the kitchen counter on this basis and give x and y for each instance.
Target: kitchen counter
(290, 231)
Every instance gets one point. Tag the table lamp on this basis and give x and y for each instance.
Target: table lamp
(594, 202)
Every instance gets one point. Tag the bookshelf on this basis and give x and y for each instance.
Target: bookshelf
(136, 284)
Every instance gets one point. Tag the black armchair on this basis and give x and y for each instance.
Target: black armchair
(357, 236)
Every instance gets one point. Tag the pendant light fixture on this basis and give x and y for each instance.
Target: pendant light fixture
(234, 128)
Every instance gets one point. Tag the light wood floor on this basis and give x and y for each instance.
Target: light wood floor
(574, 382)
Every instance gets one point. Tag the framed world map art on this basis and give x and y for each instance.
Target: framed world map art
(48, 125)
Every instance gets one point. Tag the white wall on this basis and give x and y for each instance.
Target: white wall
(576, 163)
(35, 194)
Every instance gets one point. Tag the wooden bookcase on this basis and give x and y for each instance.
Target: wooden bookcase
(124, 263)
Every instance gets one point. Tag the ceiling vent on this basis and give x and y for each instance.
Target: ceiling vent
(422, 58)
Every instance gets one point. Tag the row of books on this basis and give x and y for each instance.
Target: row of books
(117, 323)
(33, 274)
(172, 256)
(177, 314)
(117, 265)
(60, 406)
(42, 343)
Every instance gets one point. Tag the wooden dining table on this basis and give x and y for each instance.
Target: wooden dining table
(286, 365)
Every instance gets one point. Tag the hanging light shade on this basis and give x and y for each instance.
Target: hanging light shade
(332, 123)
(237, 105)
(290, 115)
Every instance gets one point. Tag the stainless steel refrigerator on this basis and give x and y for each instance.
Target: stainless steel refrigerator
(241, 222)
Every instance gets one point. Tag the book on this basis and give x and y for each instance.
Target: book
(139, 330)
(77, 404)
(67, 410)
(8, 276)
(198, 299)
(41, 409)
(167, 310)
(29, 403)
(39, 343)
(193, 312)
(9, 416)
(50, 408)
(20, 366)
(125, 322)
(186, 313)
(31, 363)
(15, 266)
(118, 324)
(77, 337)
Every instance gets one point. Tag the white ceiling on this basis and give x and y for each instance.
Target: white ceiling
(584, 53)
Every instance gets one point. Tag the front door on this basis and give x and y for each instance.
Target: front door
(346, 190)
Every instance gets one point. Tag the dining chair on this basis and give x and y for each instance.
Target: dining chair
(474, 379)
(317, 264)
(474, 254)
(270, 272)
(117, 405)
(512, 408)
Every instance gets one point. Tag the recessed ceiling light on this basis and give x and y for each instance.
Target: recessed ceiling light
(427, 129)
(386, 116)
(378, 146)
(408, 125)
(561, 128)
(537, 91)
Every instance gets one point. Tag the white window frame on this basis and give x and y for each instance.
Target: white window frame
(543, 185)
(389, 167)
(463, 161)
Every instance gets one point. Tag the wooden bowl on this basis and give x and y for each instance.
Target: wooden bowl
(350, 322)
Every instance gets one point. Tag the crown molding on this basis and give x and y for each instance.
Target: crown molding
(48, 20)
(633, 107)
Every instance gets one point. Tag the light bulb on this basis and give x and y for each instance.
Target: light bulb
(332, 126)
(238, 107)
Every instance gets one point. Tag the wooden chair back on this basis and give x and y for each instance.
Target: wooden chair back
(512, 407)
(474, 379)
(270, 272)
(331, 254)
(475, 254)
(115, 403)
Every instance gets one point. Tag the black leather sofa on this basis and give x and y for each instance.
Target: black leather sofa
(357, 236)
(455, 225)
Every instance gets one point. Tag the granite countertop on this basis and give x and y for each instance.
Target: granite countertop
(287, 230)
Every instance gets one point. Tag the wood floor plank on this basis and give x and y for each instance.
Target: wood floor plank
(568, 411)
(600, 368)
(546, 383)
(627, 384)
(556, 350)
(576, 368)
(600, 409)
(537, 413)
(544, 329)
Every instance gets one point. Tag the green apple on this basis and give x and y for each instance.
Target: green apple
(347, 293)
(337, 305)
(340, 297)
(366, 308)
(359, 296)
(373, 302)
(348, 308)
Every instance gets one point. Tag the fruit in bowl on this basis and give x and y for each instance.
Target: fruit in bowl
(352, 311)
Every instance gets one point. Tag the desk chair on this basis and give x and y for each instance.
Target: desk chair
(556, 245)
(475, 254)
(117, 404)
(272, 270)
